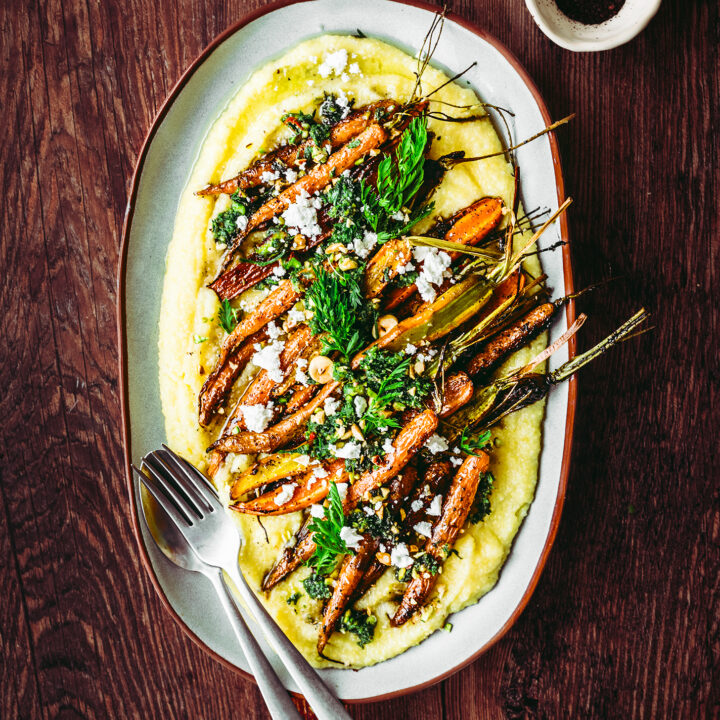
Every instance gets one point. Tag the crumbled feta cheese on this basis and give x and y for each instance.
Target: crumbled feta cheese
(317, 511)
(279, 271)
(354, 69)
(423, 528)
(320, 473)
(406, 268)
(456, 461)
(349, 451)
(416, 505)
(268, 358)
(331, 406)
(360, 404)
(367, 509)
(400, 557)
(300, 374)
(435, 506)
(343, 101)
(290, 175)
(273, 331)
(241, 222)
(434, 266)
(301, 216)
(342, 489)
(410, 349)
(365, 244)
(257, 417)
(351, 537)
(333, 63)
(344, 77)
(295, 316)
(286, 494)
(269, 176)
(303, 460)
(388, 447)
(436, 443)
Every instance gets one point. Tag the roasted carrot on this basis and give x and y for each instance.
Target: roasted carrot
(294, 155)
(301, 395)
(436, 477)
(385, 264)
(499, 347)
(307, 489)
(291, 559)
(405, 446)
(437, 318)
(220, 381)
(239, 278)
(472, 225)
(455, 511)
(278, 435)
(369, 139)
(352, 569)
(433, 482)
(267, 470)
(281, 299)
(457, 391)
(401, 486)
(260, 389)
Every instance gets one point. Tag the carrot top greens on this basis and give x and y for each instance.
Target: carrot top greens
(326, 533)
(340, 310)
(227, 316)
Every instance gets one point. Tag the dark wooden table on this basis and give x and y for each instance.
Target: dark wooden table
(624, 622)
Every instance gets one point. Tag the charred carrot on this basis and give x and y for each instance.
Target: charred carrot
(305, 490)
(510, 339)
(455, 511)
(352, 569)
(219, 383)
(369, 139)
(434, 479)
(291, 559)
(472, 225)
(294, 155)
(405, 446)
(280, 300)
(278, 435)
(260, 389)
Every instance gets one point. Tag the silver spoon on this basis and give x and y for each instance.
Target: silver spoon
(174, 546)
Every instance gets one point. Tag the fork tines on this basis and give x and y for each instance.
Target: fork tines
(180, 488)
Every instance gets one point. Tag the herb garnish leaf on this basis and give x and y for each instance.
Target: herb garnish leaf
(227, 316)
(326, 534)
(469, 444)
(340, 311)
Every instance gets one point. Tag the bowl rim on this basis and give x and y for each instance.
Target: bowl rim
(135, 520)
(587, 45)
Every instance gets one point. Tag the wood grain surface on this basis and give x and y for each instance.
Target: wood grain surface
(625, 620)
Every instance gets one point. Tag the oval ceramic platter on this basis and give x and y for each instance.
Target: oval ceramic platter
(166, 161)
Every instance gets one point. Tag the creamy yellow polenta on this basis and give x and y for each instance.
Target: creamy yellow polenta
(251, 121)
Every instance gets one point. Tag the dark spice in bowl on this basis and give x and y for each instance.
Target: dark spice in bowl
(590, 12)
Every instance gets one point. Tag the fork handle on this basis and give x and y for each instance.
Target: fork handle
(276, 697)
(320, 698)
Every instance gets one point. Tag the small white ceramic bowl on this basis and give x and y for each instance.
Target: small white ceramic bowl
(632, 18)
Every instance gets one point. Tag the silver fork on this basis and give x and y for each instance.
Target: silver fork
(192, 504)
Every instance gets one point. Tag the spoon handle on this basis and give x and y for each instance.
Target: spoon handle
(324, 704)
(276, 697)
